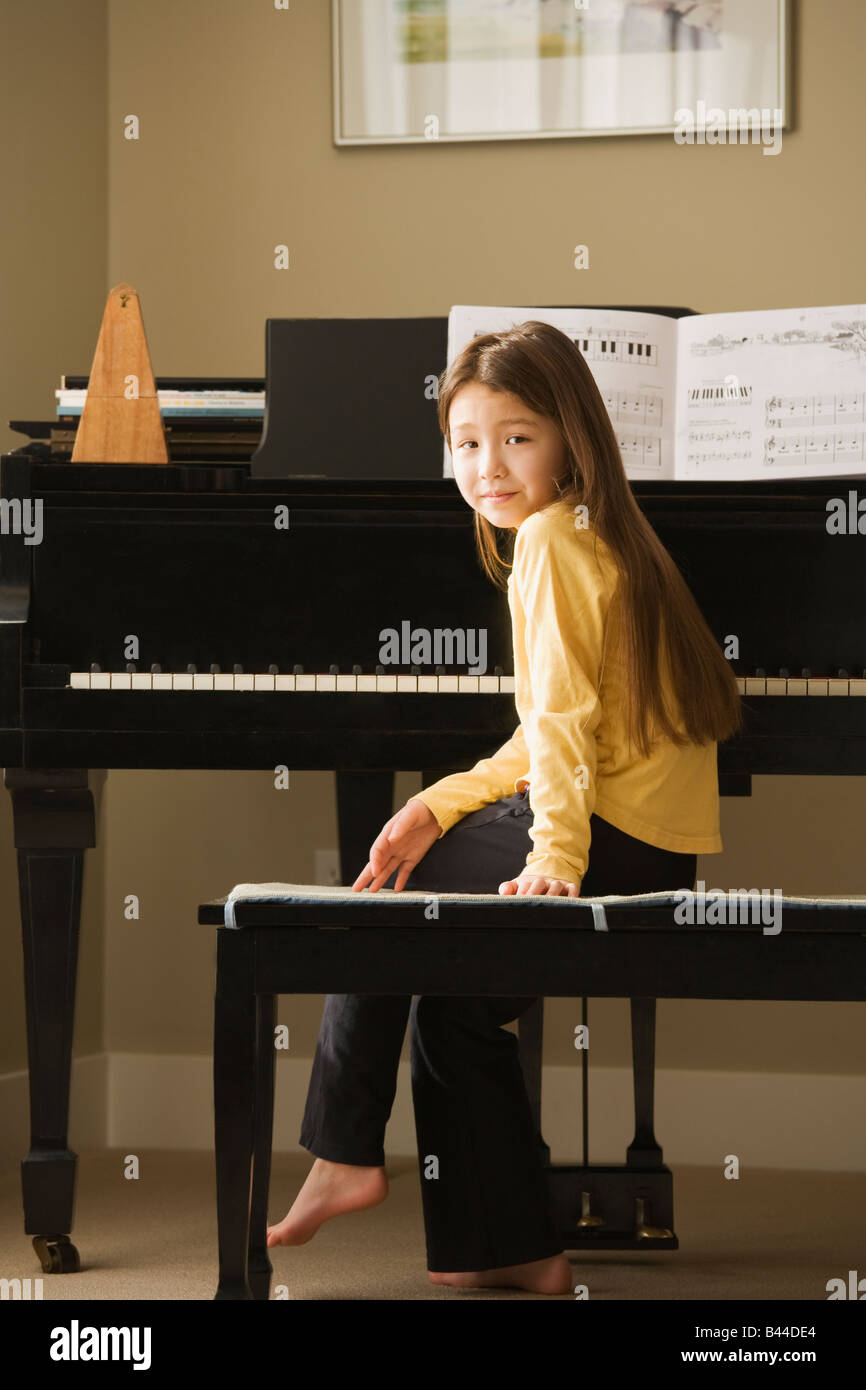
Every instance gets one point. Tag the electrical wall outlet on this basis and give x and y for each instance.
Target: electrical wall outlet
(327, 868)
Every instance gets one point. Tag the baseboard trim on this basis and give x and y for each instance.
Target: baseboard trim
(140, 1102)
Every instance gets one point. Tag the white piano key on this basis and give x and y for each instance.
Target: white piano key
(838, 687)
(79, 680)
(203, 680)
(367, 683)
(162, 680)
(741, 685)
(407, 685)
(326, 682)
(816, 687)
(506, 685)
(386, 685)
(428, 685)
(448, 685)
(285, 682)
(182, 680)
(857, 687)
(100, 680)
(756, 685)
(264, 682)
(796, 685)
(488, 685)
(347, 683)
(305, 682)
(244, 681)
(468, 685)
(222, 681)
(121, 680)
(142, 680)
(777, 685)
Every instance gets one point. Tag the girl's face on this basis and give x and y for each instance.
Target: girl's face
(500, 446)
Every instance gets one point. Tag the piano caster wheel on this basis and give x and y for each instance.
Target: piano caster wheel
(57, 1254)
(643, 1230)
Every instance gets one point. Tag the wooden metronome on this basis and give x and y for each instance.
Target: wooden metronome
(120, 422)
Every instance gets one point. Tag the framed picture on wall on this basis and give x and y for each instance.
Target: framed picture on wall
(423, 71)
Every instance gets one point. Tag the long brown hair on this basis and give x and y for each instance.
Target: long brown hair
(542, 366)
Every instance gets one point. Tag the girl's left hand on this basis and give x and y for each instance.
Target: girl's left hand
(531, 883)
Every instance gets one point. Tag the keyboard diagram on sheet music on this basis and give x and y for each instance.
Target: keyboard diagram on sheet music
(614, 350)
(720, 394)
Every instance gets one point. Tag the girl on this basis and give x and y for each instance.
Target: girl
(623, 694)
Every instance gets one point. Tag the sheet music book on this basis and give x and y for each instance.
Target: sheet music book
(769, 393)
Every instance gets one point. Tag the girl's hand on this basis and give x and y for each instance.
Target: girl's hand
(402, 842)
(531, 883)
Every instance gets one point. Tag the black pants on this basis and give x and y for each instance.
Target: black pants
(483, 1184)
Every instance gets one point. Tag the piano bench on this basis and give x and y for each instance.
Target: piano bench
(304, 939)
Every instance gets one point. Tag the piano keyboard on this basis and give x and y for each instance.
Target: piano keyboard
(407, 684)
(799, 685)
(354, 684)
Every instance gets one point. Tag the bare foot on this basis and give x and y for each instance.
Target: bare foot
(331, 1189)
(540, 1276)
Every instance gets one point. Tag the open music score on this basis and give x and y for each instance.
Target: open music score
(715, 397)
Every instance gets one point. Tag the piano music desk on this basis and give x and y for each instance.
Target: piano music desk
(301, 939)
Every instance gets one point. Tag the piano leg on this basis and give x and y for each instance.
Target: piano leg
(654, 1214)
(238, 1023)
(54, 824)
(643, 1151)
(259, 1267)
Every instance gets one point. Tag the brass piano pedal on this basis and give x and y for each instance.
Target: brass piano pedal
(642, 1216)
(586, 1216)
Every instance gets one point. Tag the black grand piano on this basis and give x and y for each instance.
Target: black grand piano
(226, 614)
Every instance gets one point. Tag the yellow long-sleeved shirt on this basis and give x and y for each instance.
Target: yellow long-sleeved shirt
(571, 748)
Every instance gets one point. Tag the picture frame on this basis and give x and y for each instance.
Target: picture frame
(436, 71)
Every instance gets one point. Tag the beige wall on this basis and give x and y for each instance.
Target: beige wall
(235, 156)
(53, 248)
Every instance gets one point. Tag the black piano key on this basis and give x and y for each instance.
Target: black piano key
(273, 670)
(297, 670)
(842, 675)
(237, 669)
(156, 669)
(333, 670)
(806, 673)
(760, 673)
(214, 669)
(95, 666)
(192, 670)
(415, 671)
(357, 671)
(380, 670)
(131, 667)
(784, 673)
